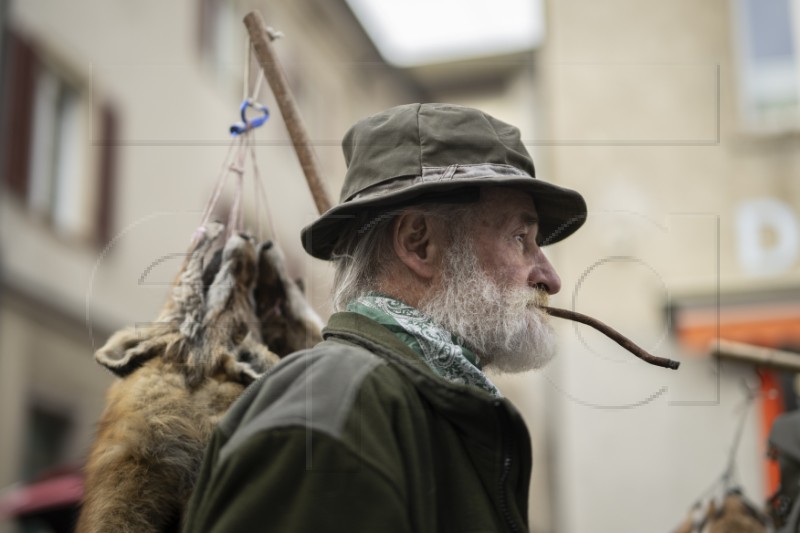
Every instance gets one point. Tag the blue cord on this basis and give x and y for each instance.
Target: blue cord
(246, 125)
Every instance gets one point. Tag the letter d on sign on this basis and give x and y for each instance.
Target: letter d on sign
(769, 239)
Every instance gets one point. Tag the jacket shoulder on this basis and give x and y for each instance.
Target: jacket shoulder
(313, 388)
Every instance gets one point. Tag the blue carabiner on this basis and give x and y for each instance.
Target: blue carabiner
(246, 125)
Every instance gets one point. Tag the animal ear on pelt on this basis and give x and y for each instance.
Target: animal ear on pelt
(248, 361)
(128, 349)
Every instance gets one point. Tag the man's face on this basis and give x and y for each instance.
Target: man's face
(493, 282)
(505, 241)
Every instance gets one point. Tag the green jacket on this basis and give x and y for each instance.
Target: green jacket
(359, 435)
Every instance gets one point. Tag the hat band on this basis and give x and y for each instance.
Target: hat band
(436, 174)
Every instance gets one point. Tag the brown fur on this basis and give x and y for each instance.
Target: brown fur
(689, 524)
(181, 373)
(148, 449)
(230, 328)
(736, 516)
(288, 323)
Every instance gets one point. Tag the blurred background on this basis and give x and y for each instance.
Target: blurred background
(678, 120)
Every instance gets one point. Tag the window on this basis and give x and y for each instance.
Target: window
(45, 441)
(46, 162)
(57, 165)
(769, 63)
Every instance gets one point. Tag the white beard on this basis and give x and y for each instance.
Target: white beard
(505, 326)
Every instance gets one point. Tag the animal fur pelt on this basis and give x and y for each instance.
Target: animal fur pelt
(288, 323)
(737, 516)
(734, 514)
(180, 374)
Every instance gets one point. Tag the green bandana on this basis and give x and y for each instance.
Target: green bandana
(442, 351)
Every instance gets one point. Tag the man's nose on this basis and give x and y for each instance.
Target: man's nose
(544, 276)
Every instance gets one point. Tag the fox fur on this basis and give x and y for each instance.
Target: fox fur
(737, 516)
(288, 323)
(150, 443)
(180, 375)
(734, 514)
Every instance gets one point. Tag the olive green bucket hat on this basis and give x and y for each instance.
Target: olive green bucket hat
(432, 152)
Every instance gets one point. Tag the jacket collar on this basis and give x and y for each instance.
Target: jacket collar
(487, 424)
(463, 405)
(444, 352)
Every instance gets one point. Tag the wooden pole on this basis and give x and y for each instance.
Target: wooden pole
(756, 355)
(268, 60)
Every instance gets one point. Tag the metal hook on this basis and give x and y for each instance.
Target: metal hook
(246, 125)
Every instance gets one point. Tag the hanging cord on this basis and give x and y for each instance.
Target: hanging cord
(727, 476)
(236, 159)
(249, 99)
(730, 470)
(236, 215)
(248, 58)
(259, 193)
(212, 201)
(261, 198)
(723, 483)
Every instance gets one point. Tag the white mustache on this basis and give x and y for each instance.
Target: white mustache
(527, 298)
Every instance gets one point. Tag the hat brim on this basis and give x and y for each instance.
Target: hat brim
(561, 211)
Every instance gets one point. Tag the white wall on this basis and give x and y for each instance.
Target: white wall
(174, 116)
(642, 120)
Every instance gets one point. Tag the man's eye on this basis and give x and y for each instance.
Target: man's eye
(521, 237)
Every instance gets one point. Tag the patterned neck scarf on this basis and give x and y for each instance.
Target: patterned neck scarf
(444, 352)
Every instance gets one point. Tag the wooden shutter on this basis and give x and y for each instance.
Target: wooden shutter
(19, 78)
(107, 174)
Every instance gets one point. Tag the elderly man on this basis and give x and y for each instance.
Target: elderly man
(390, 424)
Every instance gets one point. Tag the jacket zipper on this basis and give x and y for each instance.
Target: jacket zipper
(503, 493)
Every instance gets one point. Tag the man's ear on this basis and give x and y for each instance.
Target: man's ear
(417, 241)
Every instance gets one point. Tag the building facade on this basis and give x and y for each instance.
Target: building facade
(115, 126)
(677, 121)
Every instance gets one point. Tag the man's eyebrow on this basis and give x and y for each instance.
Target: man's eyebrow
(529, 219)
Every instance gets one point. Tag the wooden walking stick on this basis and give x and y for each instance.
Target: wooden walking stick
(261, 37)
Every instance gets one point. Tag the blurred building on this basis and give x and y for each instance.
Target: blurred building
(115, 127)
(678, 121)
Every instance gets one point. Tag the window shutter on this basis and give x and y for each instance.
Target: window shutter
(20, 76)
(107, 174)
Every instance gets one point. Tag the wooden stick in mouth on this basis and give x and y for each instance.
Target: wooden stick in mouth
(614, 335)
